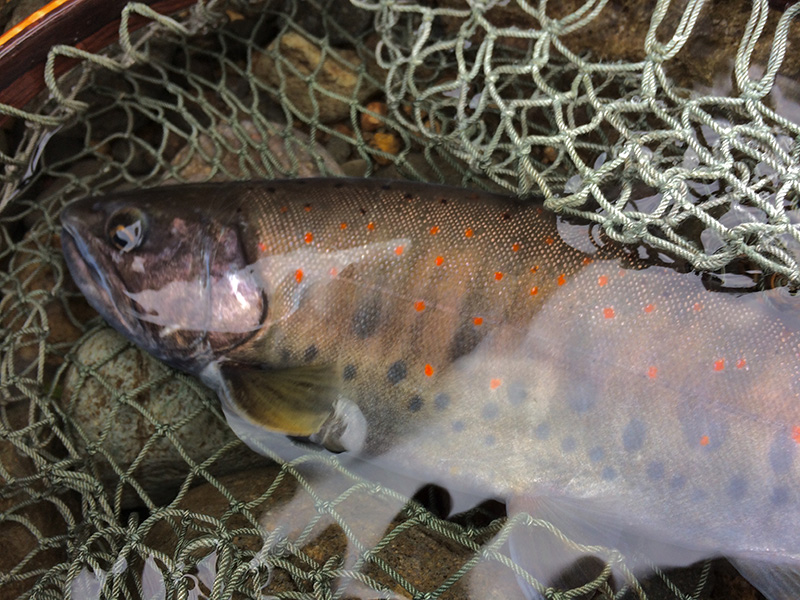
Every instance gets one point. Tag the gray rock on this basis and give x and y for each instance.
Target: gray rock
(133, 417)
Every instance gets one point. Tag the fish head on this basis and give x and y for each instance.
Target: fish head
(167, 270)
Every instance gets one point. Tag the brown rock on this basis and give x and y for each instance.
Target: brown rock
(133, 415)
(197, 163)
(425, 559)
(291, 54)
(32, 512)
(51, 322)
(618, 32)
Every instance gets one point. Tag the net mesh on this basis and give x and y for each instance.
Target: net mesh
(673, 124)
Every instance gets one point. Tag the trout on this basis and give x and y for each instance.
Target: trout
(476, 341)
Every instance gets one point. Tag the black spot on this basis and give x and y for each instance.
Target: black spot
(506, 216)
(441, 401)
(271, 190)
(634, 434)
(386, 186)
(362, 210)
(307, 207)
(285, 355)
(367, 317)
(339, 185)
(408, 196)
(300, 181)
(349, 372)
(415, 404)
(677, 483)
(780, 496)
(397, 372)
(310, 353)
(443, 200)
(465, 340)
(542, 431)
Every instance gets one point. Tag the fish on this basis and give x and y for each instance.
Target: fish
(480, 342)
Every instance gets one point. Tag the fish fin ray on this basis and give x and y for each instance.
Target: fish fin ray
(294, 401)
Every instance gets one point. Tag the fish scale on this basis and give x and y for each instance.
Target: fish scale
(478, 342)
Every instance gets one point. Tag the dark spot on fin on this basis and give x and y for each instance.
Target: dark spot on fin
(367, 317)
(396, 372)
(310, 353)
(295, 401)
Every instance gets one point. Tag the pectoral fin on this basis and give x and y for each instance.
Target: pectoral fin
(295, 401)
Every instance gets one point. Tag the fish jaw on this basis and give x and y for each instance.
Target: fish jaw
(88, 269)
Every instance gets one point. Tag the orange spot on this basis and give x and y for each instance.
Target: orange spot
(697, 307)
(649, 308)
(515, 247)
(262, 246)
(342, 225)
(434, 230)
(477, 321)
(284, 209)
(741, 363)
(334, 272)
(549, 240)
(495, 383)
(587, 261)
(534, 290)
(420, 306)
(307, 207)
(398, 250)
(428, 370)
(562, 279)
(704, 440)
(796, 433)
(534, 269)
(370, 225)
(298, 275)
(309, 238)
(608, 313)
(469, 233)
(439, 261)
(621, 273)
(652, 372)
(498, 275)
(719, 365)
(602, 280)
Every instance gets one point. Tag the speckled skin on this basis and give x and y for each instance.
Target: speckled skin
(488, 346)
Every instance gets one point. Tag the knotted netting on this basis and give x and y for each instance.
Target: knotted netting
(669, 123)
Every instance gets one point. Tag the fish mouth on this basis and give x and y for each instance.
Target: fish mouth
(91, 279)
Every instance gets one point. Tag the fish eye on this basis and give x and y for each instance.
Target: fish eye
(126, 229)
